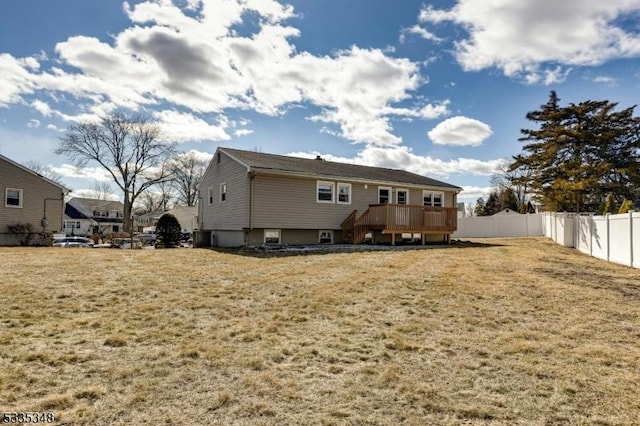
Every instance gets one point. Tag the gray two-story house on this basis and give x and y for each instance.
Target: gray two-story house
(252, 198)
(28, 197)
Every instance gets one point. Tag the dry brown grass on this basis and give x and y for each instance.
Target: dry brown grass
(520, 331)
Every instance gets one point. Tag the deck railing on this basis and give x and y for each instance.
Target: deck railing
(405, 218)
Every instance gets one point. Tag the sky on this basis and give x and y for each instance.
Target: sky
(439, 88)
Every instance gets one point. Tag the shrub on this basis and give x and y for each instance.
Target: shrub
(41, 239)
(168, 231)
(27, 237)
(22, 231)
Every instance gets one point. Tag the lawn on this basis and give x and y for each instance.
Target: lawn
(503, 331)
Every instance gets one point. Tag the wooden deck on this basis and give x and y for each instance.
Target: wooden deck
(399, 219)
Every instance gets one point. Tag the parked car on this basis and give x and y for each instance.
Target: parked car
(148, 239)
(125, 243)
(73, 242)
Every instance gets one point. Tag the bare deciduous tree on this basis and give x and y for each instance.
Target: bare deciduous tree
(43, 170)
(130, 148)
(102, 190)
(160, 199)
(188, 171)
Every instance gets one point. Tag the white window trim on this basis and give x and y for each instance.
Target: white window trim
(390, 194)
(342, 184)
(433, 196)
(223, 192)
(264, 236)
(210, 196)
(333, 192)
(402, 190)
(6, 197)
(441, 194)
(330, 233)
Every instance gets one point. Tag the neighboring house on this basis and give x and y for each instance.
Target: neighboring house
(147, 221)
(187, 216)
(88, 216)
(28, 198)
(506, 212)
(251, 198)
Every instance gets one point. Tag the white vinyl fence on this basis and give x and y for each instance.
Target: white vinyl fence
(614, 238)
(508, 225)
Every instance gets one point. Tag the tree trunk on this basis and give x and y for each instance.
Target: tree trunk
(127, 220)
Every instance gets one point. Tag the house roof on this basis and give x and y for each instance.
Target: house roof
(187, 216)
(258, 161)
(28, 170)
(150, 215)
(86, 206)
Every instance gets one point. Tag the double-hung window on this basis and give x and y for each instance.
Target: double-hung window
(211, 196)
(402, 196)
(324, 192)
(344, 193)
(13, 198)
(384, 195)
(433, 199)
(223, 192)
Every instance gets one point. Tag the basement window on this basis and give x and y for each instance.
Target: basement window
(272, 236)
(325, 237)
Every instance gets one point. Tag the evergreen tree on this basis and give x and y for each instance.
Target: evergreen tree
(168, 231)
(609, 205)
(479, 209)
(507, 199)
(579, 154)
(493, 204)
(626, 206)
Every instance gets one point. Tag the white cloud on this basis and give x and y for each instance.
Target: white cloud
(474, 192)
(16, 79)
(70, 171)
(42, 107)
(530, 39)
(33, 123)
(181, 127)
(460, 131)
(201, 156)
(192, 59)
(242, 132)
(92, 193)
(419, 31)
(402, 157)
(609, 81)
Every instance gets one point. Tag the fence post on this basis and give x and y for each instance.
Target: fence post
(608, 236)
(591, 224)
(631, 238)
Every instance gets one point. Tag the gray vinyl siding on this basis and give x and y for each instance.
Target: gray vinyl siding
(35, 193)
(290, 203)
(233, 213)
(227, 238)
(281, 202)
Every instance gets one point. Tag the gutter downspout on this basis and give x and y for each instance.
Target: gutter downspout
(252, 176)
